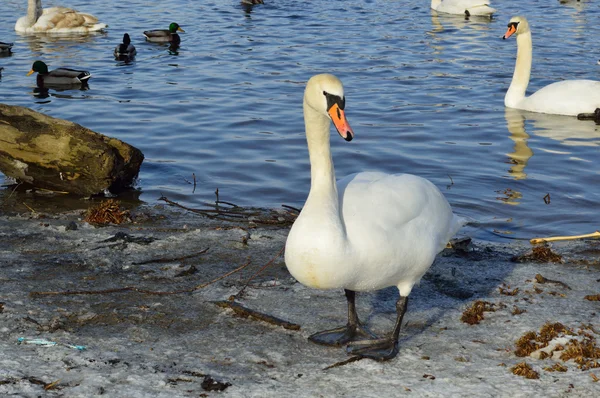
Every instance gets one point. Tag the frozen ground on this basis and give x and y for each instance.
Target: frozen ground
(142, 345)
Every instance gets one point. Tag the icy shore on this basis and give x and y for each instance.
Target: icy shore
(183, 345)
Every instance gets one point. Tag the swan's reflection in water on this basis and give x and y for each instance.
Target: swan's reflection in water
(578, 5)
(443, 27)
(569, 131)
(60, 44)
(441, 22)
(515, 122)
(509, 196)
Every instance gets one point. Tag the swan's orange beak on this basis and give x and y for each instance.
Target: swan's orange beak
(338, 116)
(511, 29)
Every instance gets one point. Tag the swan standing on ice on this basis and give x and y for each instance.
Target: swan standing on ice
(366, 232)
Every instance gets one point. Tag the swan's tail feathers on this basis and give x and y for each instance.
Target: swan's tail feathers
(458, 222)
(89, 19)
(482, 10)
(97, 27)
(91, 22)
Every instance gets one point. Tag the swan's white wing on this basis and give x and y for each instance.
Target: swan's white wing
(396, 205)
(61, 20)
(475, 7)
(54, 10)
(569, 97)
(396, 223)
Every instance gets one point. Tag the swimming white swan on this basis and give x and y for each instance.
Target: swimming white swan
(568, 97)
(56, 20)
(463, 7)
(369, 231)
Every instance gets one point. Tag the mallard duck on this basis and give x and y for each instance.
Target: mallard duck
(253, 2)
(164, 35)
(5, 48)
(56, 20)
(59, 76)
(125, 49)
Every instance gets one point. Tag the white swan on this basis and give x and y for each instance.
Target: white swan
(56, 20)
(568, 97)
(369, 231)
(463, 7)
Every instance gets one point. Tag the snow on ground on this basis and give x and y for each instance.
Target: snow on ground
(141, 345)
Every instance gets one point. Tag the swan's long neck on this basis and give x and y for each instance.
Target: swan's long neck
(520, 80)
(323, 199)
(34, 11)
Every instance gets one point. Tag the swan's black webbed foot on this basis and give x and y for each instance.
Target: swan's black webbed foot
(353, 331)
(342, 336)
(381, 349)
(378, 349)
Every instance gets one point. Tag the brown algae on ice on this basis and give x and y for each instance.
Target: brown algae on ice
(539, 254)
(525, 370)
(108, 211)
(561, 343)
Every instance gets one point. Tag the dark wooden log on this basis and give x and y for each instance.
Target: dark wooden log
(60, 155)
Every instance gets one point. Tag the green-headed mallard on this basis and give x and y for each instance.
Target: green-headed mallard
(59, 76)
(5, 48)
(56, 20)
(165, 35)
(125, 49)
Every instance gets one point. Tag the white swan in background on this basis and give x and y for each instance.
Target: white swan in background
(463, 7)
(56, 20)
(369, 231)
(568, 97)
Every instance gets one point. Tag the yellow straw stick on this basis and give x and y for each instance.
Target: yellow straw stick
(572, 237)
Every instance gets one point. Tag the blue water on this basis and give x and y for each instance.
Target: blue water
(424, 94)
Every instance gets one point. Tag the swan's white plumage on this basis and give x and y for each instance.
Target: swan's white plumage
(369, 231)
(474, 7)
(568, 97)
(56, 20)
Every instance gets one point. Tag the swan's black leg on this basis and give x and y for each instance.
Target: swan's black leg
(353, 331)
(385, 348)
(595, 116)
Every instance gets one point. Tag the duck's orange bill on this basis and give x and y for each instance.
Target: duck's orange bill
(511, 29)
(180, 30)
(340, 122)
(31, 72)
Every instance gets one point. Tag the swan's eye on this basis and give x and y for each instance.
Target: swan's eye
(334, 99)
(513, 25)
